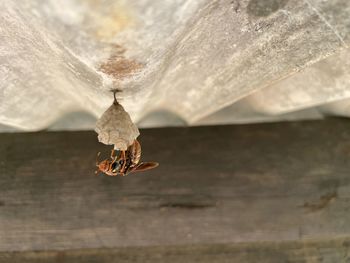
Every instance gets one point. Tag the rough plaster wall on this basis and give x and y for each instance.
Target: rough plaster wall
(203, 61)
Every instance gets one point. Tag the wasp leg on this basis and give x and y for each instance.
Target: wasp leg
(112, 154)
(123, 157)
(117, 158)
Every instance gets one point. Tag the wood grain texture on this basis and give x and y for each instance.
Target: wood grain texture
(329, 251)
(276, 183)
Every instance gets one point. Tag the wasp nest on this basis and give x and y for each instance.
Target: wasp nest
(115, 127)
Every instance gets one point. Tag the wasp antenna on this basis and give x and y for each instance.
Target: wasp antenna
(97, 161)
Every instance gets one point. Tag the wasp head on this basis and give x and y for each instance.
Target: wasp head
(103, 166)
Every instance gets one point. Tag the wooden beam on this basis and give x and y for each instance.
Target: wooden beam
(281, 182)
(329, 251)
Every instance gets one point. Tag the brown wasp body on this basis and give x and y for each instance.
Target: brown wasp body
(128, 161)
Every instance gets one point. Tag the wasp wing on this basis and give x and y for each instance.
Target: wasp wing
(134, 153)
(145, 166)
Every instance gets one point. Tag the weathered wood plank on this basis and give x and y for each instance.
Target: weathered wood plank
(329, 251)
(215, 185)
